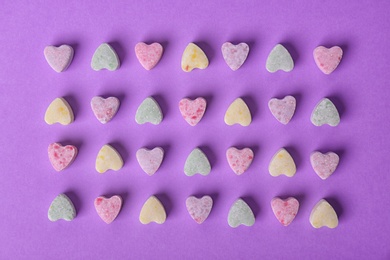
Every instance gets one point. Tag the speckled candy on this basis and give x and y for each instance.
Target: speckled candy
(193, 58)
(108, 208)
(325, 112)
(192, 110)
(59, 111)
(148, 55)
(326, 59)
(240, 214)
(150, 160)
(105, 57)
(197, 162)
(285, 210)
(235, 55)
(108, 159)
(61, 156)
(104, 109)
(59, 58)
(152, 211)
(282, 164)
(279, 59)
(239, 160)
(199, 209)
(238, 113)
(323, 215)
(149, 112)
(324, 164)
(282, 109)
(61, 208)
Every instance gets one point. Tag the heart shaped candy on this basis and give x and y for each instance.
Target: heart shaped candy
(285, 210)
(282, 109)
(108, 159)
(323, 215)
(150, 160)
(148, 55)
(152, 211)
(325, 112)
(61, 208)
(279, 59)
(104, 109)
(149, 112)
(238, 113)
(193, 58)
(239, 160)
(240, 214)
(61, 156)
(108, 208)
(192, 110)
(282, 163)
(324, 164)
(326, 59)
(235, 55)
(59, 111)
(105, 57)
(59, 58)
(197, 162)
(199, 209)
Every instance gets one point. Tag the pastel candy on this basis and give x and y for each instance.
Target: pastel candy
(197, 162)
(285, 210)
(152, 211)
(238, 113)
(282, 163)
(326, 59)
(150, 160)
(108, 208)
(149, 112)
(108, 159)
(282, 109)
(148, 55)
(240, 214)
(324, 164)
(279, 59)
(59, 111)
(192, 110)
(325, 112)
(235, 55)
(105, 57)
(323, 215)
(61, 156)
(61, 208)
(104, 109)
(199, 209)
(239, 160)
(59, 58)
(193, 58)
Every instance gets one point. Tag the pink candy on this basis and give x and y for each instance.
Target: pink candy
(285, 210)
(326, 59)
(324, 164)
(239, 160)
(59, 58)
(150, 160)
(148, 55)
(61, 156)
(235, 55)
(104, 109)
(192, 110)
(108, 208)
(199, 209)
(282, 109)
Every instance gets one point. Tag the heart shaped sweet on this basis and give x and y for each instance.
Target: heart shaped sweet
(105, 57)
(325, 112)
(59, 111)
(238, 113)
(282, 109)
(240, 214)
(282, 163)
(239, 160)
(199, 209)
(108, 208)
(192, 110)
(59, 58)
(108, 159)
(279, 59)
(193, 58)
(150, 160)
(61, 208)
(148, 55)
(61, 156)
(152, 211)
(235, 55)
(324, 164)
(326, 59)
(104, 109)
(285, 210)
(149, 112)
(323, 215)
(197, 162)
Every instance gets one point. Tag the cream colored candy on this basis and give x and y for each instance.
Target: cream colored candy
(59, 111)
(108, 159)
(193, 58)
(282, 163)
(152, 211)
(238, 113)
(323, 215)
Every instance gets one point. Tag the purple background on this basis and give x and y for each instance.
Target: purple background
(358, 190)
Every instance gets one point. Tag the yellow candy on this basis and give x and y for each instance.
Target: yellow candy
(152, 211)
(108, 159)
(238, 113)
(282, 163)
(59, 111)
(323, 215)
(193, 58)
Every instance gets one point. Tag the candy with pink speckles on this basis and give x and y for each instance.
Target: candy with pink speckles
(148, 55)
(239, 160)
(59, 58)
(324, 164)
(199, 209)
(326, 59)
(235, 55)
(285, 210)
(104, 109)
(150, 160)
(192, 110)
(61, 156)
(108, 208)
(282, 109)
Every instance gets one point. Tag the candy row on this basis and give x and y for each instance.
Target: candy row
(149, 111)
(105, 57)
(240, 213)
(197, 162)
